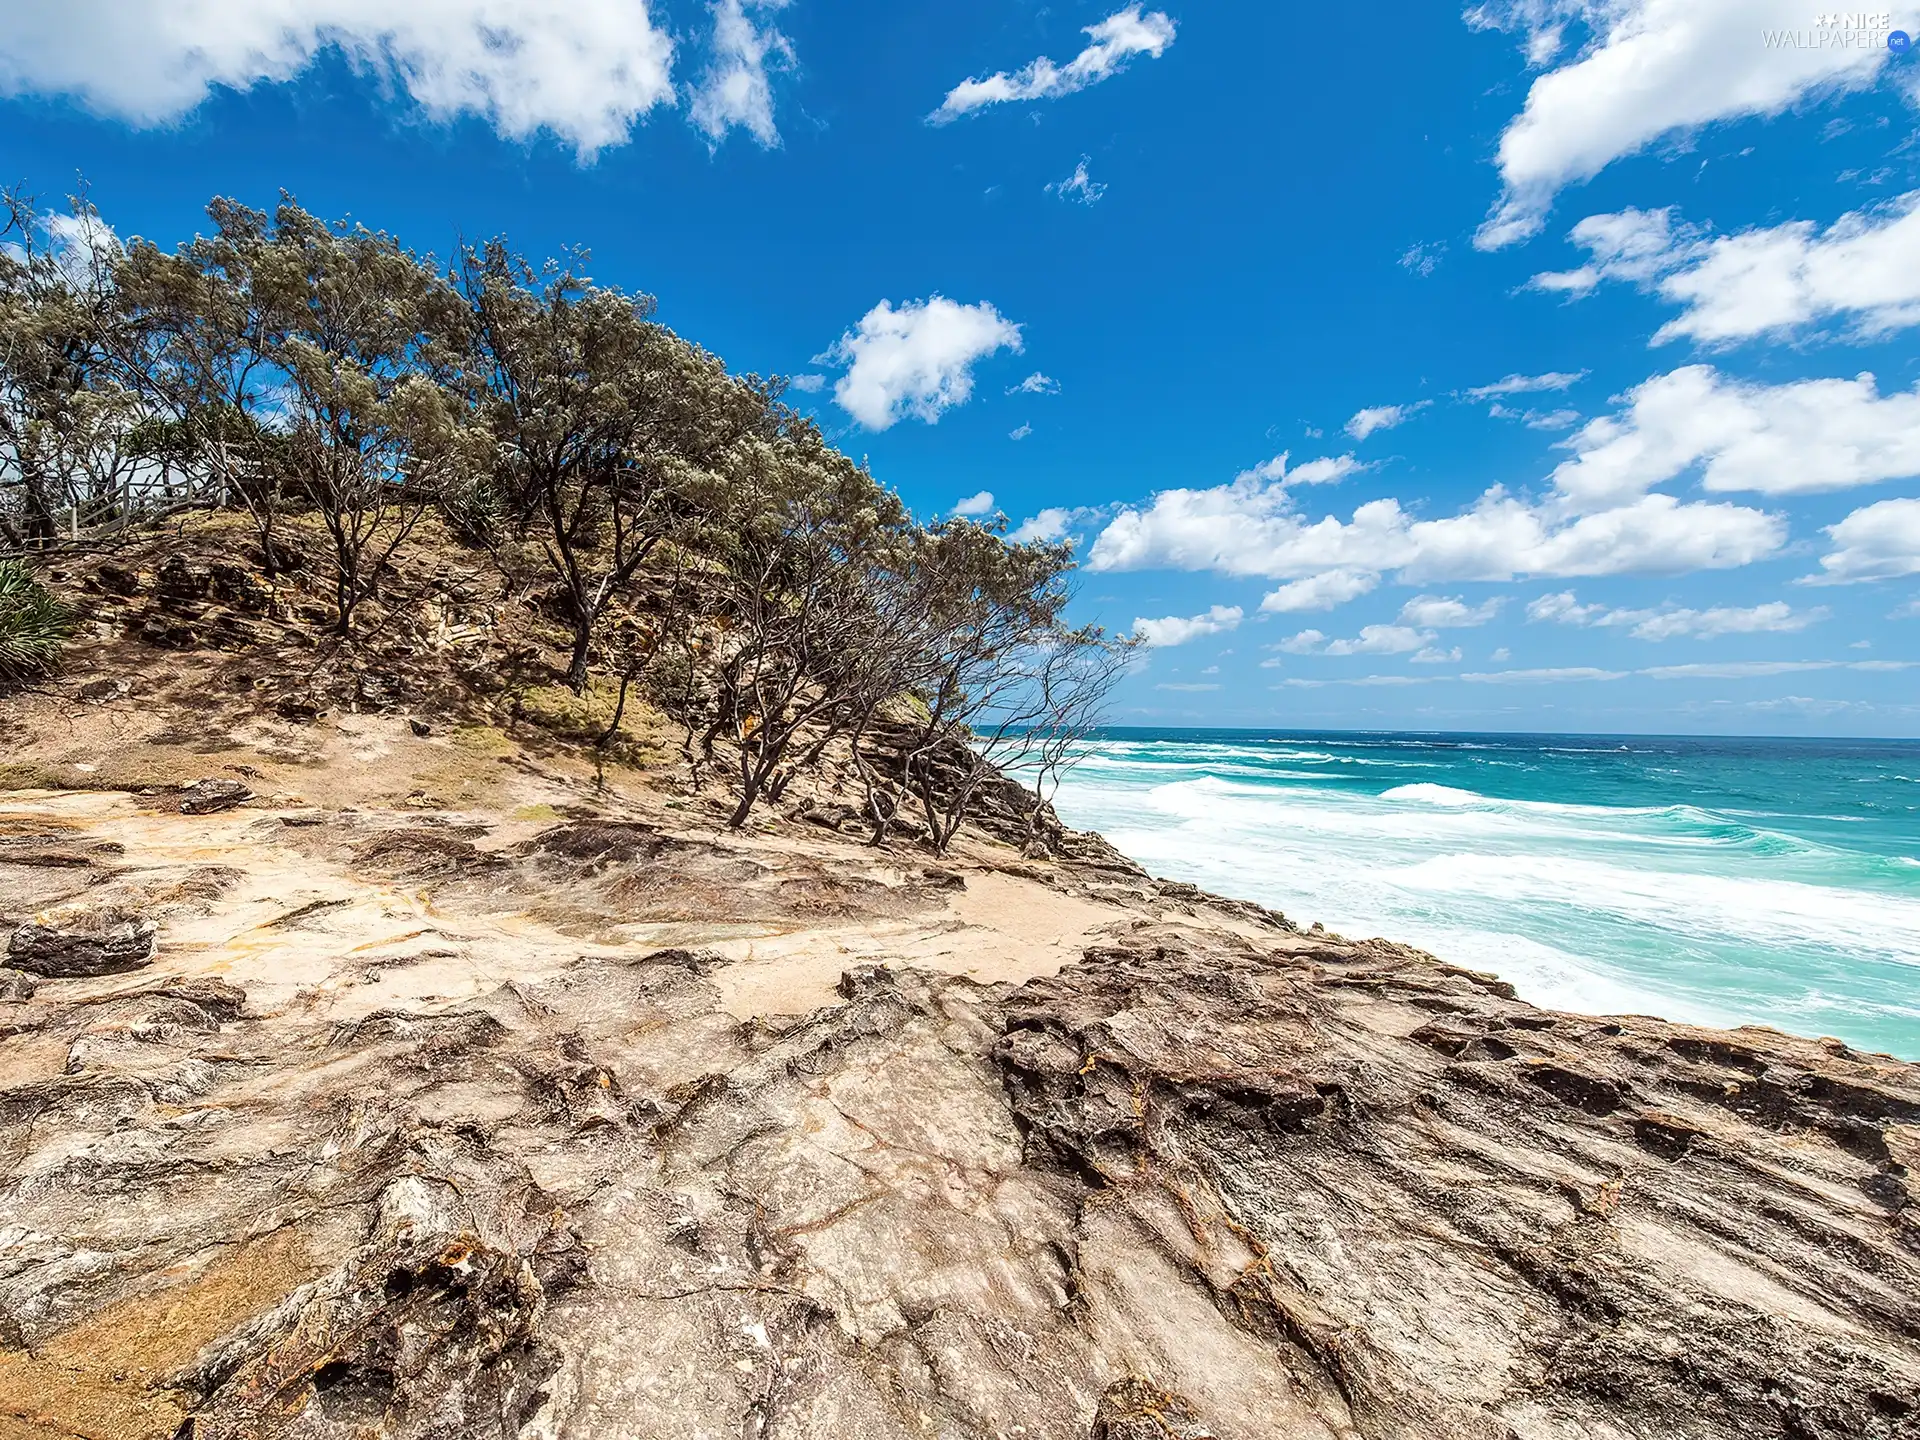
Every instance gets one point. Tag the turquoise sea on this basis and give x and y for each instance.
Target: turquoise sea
(1726, 881)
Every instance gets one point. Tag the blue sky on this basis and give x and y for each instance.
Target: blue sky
(1542, 365)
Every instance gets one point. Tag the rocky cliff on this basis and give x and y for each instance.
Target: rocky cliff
(412, 1085)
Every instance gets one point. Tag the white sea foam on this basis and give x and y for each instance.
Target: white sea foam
(1674, 909)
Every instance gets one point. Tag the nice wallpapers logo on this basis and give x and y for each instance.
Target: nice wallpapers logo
(1844, 30)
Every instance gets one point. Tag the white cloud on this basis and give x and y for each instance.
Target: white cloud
(1193, 688)
(1038, 383)
(1114, 41)
(1327, 470)
(1527, 384)
(1908, 611)
(1320, 592)
(1049, 525)
(1078, 186)
(1381, 417)
(1448, 612)
(915, 360)
(1759, 669)
(975, 506)
(1672, 622)
(1423, 259)
(1177, 630)
(1632, 245)
(1796, 438)
(1863, 270)
(1655, 68)
(1537, 419)
(809, 384)
(1251, 528)
(1434, 655)
(735, 89)
(1551, 675)
(583, 70)
(1876, 542)
(1360, 680)
(1372, 640)
(1020, 432)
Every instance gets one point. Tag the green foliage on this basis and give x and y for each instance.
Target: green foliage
(33, 626)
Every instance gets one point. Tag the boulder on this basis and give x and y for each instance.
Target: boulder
(234, 586)
(117, 580)
(55, 954)
(16, 986)
(210, 796)
(178, 580)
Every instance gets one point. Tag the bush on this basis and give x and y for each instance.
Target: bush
(33, 626)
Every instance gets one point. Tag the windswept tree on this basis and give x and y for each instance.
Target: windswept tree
(607, 430)
(992, 676)
(71, 434)
(362, 339)
(197, 345)
(798, 594)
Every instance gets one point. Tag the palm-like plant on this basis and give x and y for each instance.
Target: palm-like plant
(33, 625)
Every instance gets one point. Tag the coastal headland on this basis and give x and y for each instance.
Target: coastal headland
(374, 1067)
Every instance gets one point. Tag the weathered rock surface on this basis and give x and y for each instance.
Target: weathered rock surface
(209, 797)
(65, 954)
(425, 1129)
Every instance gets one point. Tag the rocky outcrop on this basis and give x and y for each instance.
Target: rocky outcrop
(1216, 1178)
(111, 949)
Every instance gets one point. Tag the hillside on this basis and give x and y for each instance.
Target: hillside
(379, 1056)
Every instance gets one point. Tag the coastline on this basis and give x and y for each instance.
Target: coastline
(453, 1074)
(1709, 880)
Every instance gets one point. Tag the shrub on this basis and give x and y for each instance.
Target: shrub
(33, 625)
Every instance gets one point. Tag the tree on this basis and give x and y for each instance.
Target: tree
(197, 345)
(70, 433)
(607, 430)
(1072, 684)
(805, 558)
(359, 333)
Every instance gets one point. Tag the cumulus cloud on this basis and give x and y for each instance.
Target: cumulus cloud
(1674, 622)
(1877, 542)
(1078, 186)
(1654, 68)
(1049, 525)
(809, 384)
(1020, 432)
(1111, 43)
(1249, 528)
(1632, 245)
(1038, 383)
(1796, 438)
(1178, 629)
(582, 70)
(1372, 640)
(1527, 384)
(1860, 272)
(1320, 592)
(1434, 655)
(1601, 513)
(1381, 417)
(736, 91)
(975, 505)
(917, 359)
(1448, 612)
